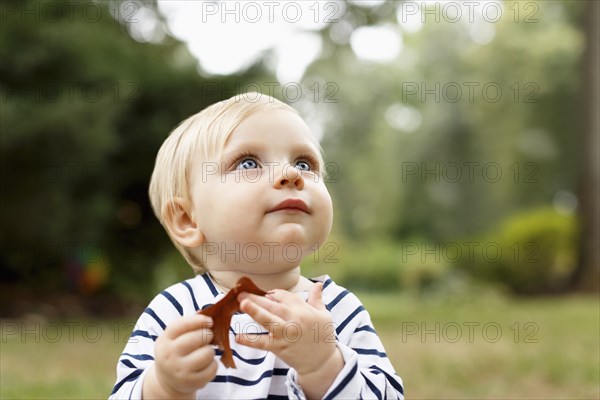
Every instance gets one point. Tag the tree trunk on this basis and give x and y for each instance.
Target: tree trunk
(587, 275)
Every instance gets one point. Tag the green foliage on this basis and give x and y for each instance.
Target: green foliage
(75, 168)
(85, 108)
(369, 266)
(528, 134)
(379, 265)
(171, 269)
(531, 252)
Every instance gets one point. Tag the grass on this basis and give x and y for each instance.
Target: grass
(490, 348)
(59, 360)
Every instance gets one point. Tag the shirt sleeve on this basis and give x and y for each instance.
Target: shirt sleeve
(367, 371)
(138, 354)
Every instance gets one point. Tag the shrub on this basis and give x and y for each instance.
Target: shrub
(378, 265)
(537, 252)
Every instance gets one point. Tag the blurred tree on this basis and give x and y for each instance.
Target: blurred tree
(587, 275)
(84, 110)
(419, 155)
(85, 107)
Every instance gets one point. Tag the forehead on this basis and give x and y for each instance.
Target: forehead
(271, 127)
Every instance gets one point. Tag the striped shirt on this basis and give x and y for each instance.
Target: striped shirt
(367, 371)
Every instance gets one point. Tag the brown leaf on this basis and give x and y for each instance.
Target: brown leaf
(221, 313)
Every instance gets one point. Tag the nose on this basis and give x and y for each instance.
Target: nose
(290, 177)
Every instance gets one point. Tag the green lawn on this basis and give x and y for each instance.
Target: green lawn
(494, 348)
(483, 348)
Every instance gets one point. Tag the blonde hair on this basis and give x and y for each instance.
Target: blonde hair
(197, 139)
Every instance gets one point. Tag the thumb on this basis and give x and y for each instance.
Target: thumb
(315, 296)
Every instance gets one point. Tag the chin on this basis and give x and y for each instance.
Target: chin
(290, 233)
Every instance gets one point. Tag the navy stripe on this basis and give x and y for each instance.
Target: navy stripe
(337, 299)
(343, 383)
(210, 285)
(128, 378)
(173, 301)
(151, 313)
(393, 381)
(189, 287)
(296, 392)
(280, 371)
(341, 327)
(251, 361)
(372, 386)
(133, 388)
(143, 334)
(365, 328)
(370, 352)
(141, 357)
(128, 364)
(241, 381)
(326, 283)
(248, 333)
(277, 397)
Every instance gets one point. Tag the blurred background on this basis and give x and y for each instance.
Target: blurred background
(462, 148)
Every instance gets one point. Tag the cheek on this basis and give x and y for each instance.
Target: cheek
(325, 206)
(232, 207)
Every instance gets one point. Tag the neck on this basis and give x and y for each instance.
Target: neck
(287, 280)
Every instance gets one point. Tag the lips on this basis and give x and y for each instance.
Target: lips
(291, 205)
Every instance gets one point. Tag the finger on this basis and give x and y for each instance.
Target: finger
(188, 323)
(270, 304)
(315, 296)
(259, 314)
(283, 296)
(256, 341)
(192, 340)
(206, 374)
(200, 358)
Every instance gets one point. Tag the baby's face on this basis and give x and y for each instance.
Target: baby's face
(263, 204)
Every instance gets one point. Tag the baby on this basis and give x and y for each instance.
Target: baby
(239, 189)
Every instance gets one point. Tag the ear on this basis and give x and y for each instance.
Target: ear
(179, 219)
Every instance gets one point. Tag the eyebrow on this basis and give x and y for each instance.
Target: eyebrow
(252, 147)
(258, 147)
(309, 149)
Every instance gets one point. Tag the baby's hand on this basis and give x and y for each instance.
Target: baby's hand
(300, 333)
(184, 360)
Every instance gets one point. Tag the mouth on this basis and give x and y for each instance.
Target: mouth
(292, 206)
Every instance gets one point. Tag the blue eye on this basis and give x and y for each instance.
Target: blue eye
(247, 163)
(303, 166)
